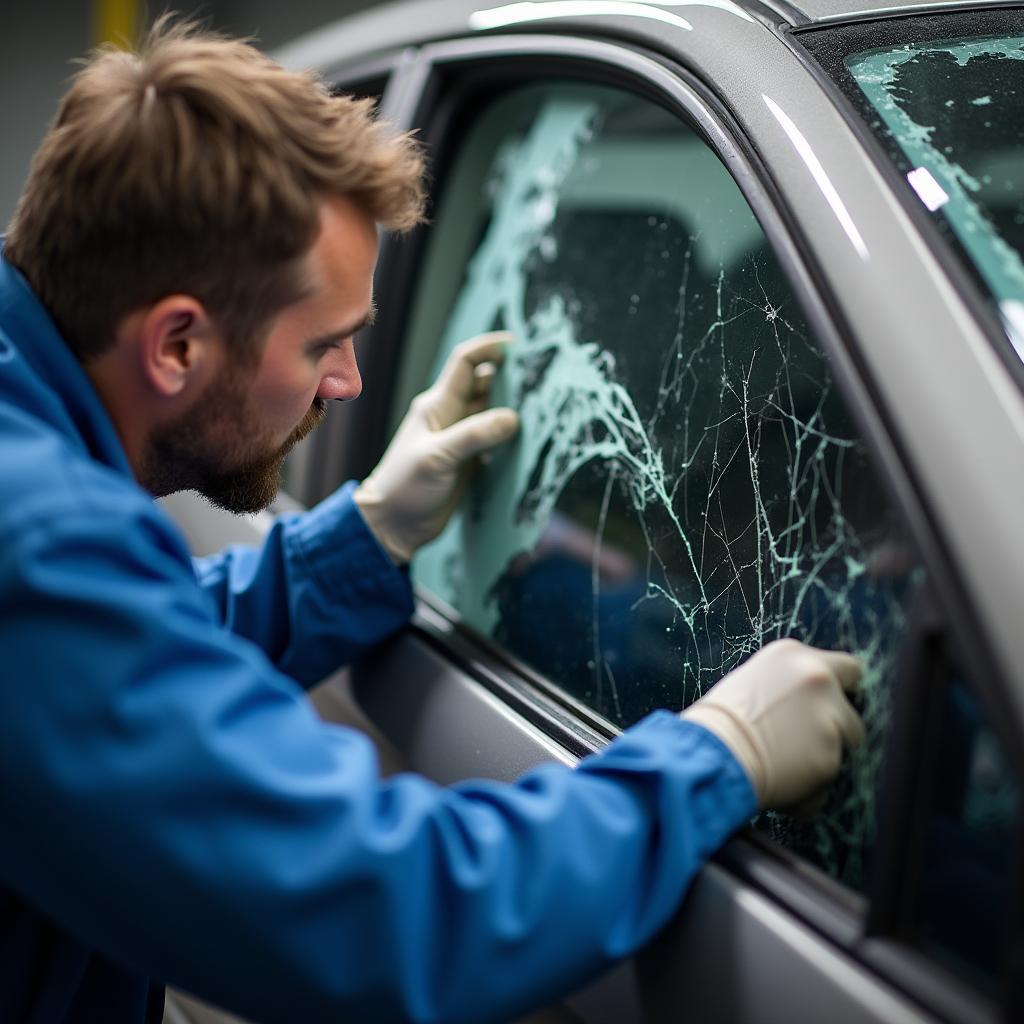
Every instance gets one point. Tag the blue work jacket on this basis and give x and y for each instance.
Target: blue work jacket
(171, 807)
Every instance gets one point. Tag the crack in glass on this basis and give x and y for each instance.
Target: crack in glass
(686, 485)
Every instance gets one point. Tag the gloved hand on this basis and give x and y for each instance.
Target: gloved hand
(409, 497)
(785, 716)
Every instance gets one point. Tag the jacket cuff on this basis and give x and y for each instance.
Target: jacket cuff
(343, 556)
(723, 798)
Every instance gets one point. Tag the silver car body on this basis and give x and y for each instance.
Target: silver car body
(757, 939)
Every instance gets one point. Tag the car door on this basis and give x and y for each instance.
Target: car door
(709, 458)
(704, 465)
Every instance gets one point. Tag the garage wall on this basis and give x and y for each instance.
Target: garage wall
(42, 37)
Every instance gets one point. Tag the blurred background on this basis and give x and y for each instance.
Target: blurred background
(41, 40)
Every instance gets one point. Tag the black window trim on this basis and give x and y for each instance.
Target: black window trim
(326, 446)
(771, 870)
(905, 791)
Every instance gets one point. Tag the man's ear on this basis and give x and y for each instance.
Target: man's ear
(178, 345)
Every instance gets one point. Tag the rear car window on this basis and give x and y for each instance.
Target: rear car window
(956, 110)
(945, 97)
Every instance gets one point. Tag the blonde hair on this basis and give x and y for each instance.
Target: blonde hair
(196, 165)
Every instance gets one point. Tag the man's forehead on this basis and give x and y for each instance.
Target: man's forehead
(344, 254)
(343, 223)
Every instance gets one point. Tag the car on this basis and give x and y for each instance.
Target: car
(763, 264)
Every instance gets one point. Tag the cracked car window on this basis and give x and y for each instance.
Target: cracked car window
(955, 109)
(687, 485)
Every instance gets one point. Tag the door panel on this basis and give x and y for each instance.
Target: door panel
(730, 956)
(446, 724)
(734, 957)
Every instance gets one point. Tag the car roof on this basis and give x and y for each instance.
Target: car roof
(390, 26)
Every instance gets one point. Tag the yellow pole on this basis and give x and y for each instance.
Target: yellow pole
(116, 21)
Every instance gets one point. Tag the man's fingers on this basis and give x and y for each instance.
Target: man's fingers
(848, 671)
(483, 377)
(477, 405)
(851, 728)
(459, 376)
(846, 668)
(479, 433)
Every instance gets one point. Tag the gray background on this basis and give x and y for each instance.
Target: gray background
(41, 39)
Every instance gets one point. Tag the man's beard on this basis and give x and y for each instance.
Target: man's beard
(211, 450)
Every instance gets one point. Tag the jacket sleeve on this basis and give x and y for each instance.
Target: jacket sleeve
(170, 798)
(318, 592)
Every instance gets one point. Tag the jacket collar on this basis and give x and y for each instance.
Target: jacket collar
(68, 399)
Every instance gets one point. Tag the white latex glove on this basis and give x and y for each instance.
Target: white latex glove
(411, 494)
(785, 716)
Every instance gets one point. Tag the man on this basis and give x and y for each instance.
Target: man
(191, 256)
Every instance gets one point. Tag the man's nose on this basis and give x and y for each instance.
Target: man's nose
(340, 377)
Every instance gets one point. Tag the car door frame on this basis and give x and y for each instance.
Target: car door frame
(460, 708)
(429, 713)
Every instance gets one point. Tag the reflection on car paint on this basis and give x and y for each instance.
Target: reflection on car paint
(512, 14)
(821, 178)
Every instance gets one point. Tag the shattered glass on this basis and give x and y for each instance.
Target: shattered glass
(687, 484)
(955, 108)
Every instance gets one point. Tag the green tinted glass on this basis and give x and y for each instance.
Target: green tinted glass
(687, 485)
(955, 109)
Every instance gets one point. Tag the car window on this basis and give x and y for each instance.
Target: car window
(963, 902)
(941, 94)
(687, 484)
(955, 109)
